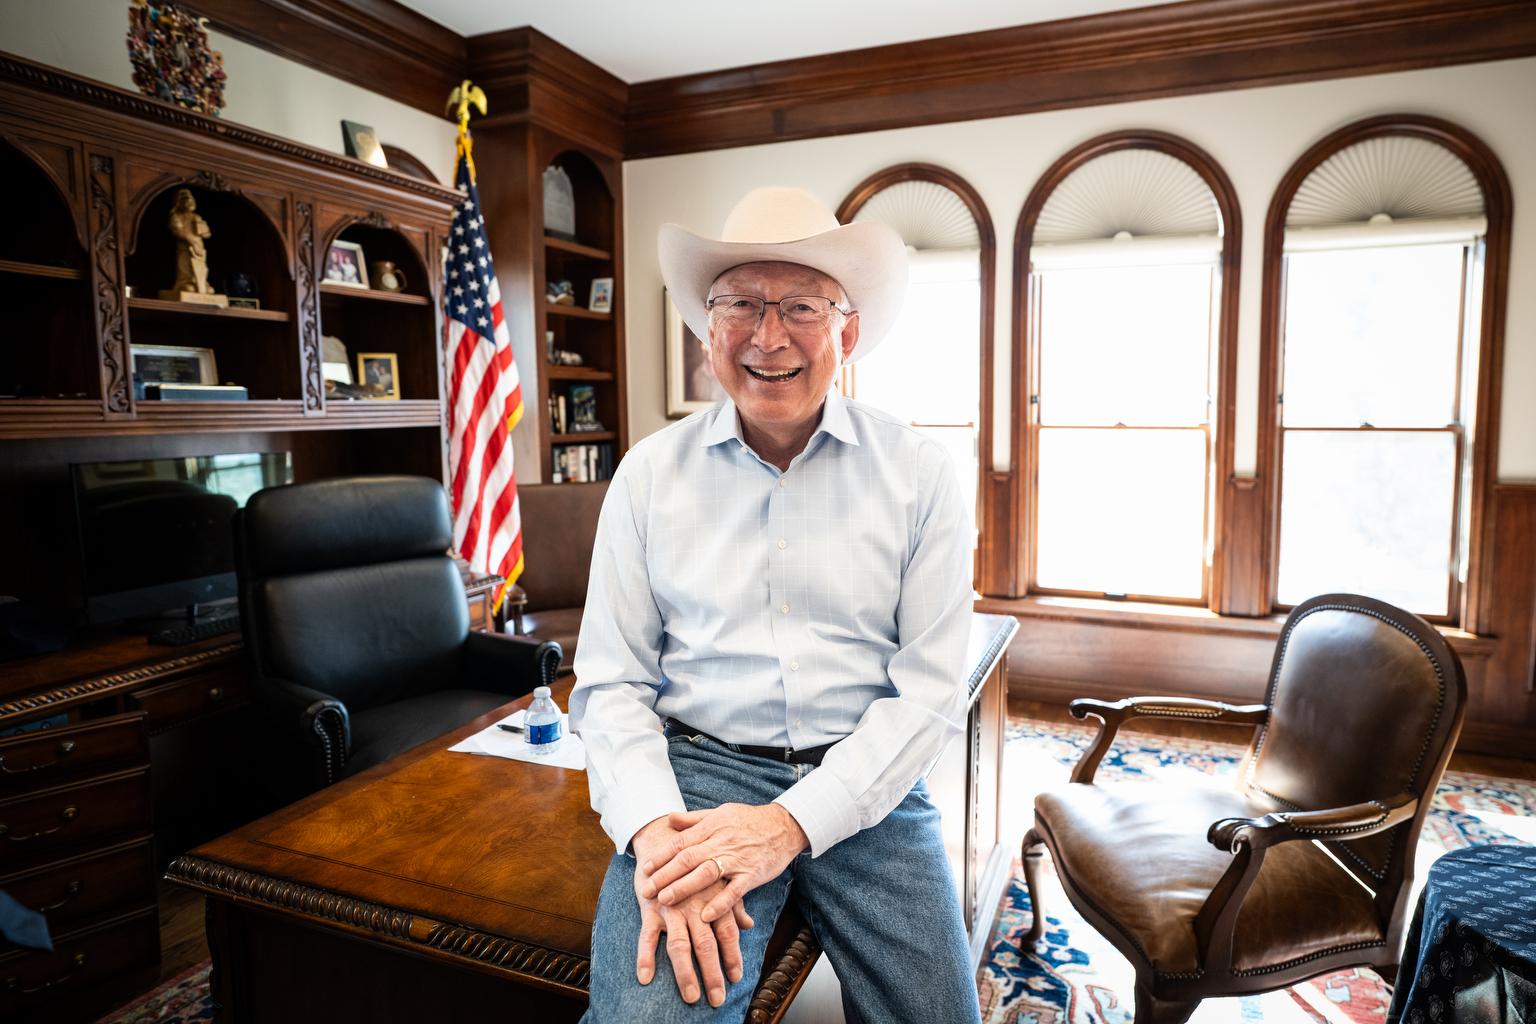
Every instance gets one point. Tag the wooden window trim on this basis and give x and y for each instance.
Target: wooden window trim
(995, 536)
(1005, 572)
(1263, 560)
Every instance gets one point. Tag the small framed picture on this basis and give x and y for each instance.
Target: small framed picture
(691, 383)
(344, 265)
(174, 364)
(378, 374)
(362, 142)
(602, 295)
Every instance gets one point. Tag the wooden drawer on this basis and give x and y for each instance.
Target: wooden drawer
(75, 892)
(32, 978)
(172, 704)
(32, 760)
(40, 826)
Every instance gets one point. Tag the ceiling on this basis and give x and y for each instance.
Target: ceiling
(638, 40)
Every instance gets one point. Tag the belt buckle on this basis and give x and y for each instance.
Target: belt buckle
(788, 755)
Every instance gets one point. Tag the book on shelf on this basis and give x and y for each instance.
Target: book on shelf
(581, 463)
(583, 409)
(557, 414)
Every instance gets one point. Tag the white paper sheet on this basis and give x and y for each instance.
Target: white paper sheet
(500, 743)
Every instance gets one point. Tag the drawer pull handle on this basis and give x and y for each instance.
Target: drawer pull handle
(216, 693)
(69, 894)
(13, 984)
(66, 816)
(66, 747)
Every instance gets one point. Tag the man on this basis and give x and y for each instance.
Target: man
(772, 648)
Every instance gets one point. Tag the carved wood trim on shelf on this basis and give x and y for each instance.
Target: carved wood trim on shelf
(1140, 53)
(67, 86)
(777, 984)
(102, 685)
(309, 312)
(547, 966)
(107, 272)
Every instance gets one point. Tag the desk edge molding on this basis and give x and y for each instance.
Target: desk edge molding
(539, 964)
(74, 693)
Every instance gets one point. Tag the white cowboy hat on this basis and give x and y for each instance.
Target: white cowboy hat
(789, 225)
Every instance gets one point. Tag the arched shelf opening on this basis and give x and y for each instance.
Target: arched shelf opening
(247, 342)
(376, 314)
(50, 351)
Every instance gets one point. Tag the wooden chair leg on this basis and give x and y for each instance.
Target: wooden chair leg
(1034, 849)
(1151, 1010)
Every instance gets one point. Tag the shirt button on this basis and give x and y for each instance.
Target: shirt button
(794, 666)
(784, 608)
(797, 723)
(783, 481)
(783, 543)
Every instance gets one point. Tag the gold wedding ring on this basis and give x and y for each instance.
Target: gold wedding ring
(719, 868)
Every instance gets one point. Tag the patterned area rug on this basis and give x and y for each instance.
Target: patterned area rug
(1079, 978)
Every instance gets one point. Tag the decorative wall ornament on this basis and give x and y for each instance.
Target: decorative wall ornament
(213, 180)
(108, 262)
(168, 48)
(375, 219)
(309, 312)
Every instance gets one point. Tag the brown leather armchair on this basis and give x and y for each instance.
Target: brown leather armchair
(1305, 866)
(559, 526)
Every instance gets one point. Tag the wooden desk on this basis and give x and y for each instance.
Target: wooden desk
(463, 887)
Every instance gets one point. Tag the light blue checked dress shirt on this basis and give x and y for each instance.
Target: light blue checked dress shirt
(830, 602)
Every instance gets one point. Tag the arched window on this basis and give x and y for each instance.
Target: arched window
(1377, 360)
(1125, 245)
(930, 370)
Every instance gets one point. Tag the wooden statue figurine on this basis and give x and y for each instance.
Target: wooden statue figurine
(189, 230)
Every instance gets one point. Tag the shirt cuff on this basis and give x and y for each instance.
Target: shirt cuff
(821, 805)
(634, 807)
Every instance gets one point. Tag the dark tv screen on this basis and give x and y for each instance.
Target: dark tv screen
(156, 534)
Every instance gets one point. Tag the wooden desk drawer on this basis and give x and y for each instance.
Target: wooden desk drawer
(47, 757)
(32, 978)
(171, 704)
(41, 825)
(76, 891)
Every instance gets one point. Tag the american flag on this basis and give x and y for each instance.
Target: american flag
(485, 400)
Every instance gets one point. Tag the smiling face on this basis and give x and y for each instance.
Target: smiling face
(777, 376)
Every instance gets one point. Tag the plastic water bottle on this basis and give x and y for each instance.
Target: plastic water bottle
(542, 726)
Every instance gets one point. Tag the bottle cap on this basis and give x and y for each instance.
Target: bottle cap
(540, 691)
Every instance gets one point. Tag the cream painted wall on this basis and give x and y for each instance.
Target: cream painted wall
(1255, 134)
(263, 91)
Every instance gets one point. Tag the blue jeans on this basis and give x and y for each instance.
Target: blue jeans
(881, 902)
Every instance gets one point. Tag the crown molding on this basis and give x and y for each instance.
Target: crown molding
(380, 45)
(1142, 53)
(528, 77)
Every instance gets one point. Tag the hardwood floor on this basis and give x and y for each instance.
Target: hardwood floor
(183, 939)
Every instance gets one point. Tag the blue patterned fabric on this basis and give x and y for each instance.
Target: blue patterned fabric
(1471, 953)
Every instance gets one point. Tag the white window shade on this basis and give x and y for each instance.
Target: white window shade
(927, 216)
(1389, 190)
(1136, 192)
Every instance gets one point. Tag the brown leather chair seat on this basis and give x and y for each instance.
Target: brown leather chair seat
(559, 524)
(562, 625)
(1138, 852)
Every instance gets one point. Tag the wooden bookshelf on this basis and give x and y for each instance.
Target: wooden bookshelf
(40, 270)
(170, 307)
(576, 248)
(555, 309)
(556, 372)
(342, 291)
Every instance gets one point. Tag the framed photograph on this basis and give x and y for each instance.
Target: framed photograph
(174, 364)
(344, 264)
(363, 142)
(691, 384)
(378, 374)
(602, 295)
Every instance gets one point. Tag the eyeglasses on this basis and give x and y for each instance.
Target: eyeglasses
(796, 311)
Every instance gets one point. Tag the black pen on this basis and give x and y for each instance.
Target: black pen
(509, 728)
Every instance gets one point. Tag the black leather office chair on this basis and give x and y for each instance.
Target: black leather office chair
(356, 622)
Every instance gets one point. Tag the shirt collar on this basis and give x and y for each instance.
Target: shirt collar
(835, 421)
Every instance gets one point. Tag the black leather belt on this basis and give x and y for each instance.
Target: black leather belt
(810, 755)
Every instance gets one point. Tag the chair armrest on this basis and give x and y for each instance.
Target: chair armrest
(512, 665)
(319, 721)
(513, 603)
(1352, 822)
(1111, 716)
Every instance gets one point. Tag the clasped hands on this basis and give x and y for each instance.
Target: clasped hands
(693, 869)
